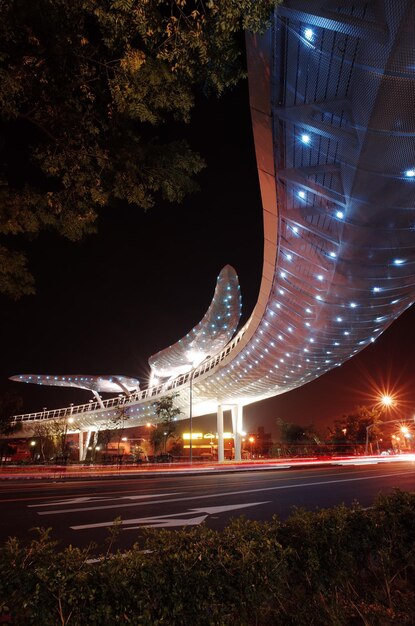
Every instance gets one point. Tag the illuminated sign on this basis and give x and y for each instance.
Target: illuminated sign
(196, 436)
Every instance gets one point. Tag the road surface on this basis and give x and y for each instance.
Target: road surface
(80, 512)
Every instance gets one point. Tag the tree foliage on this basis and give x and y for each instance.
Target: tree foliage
(10, 404)
(290, 433)
(351, 428)
(85, 89)
(340, 566)
(165, 427)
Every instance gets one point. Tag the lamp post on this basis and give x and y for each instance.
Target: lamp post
(407, 436)
(32, 449)
(191, 416)
(385, 401)
(404, 430)
(367, 438)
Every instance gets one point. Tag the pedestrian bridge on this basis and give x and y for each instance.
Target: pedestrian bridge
(331, 95)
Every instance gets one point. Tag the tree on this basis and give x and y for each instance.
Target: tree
(118, 422)
(295, 433)
(43, 435)
(165, 427)
(59, 431)
(350, 430)
(294, 438)
(84, 92)
(105, 437)
(10, 404)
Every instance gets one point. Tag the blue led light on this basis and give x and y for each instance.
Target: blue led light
(340, 215)
(305, 138)
(398, 261)
(410, 173)
(301, 194)
(309, 34)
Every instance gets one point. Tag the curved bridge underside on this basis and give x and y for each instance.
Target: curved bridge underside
(209, 336)
(331, 94)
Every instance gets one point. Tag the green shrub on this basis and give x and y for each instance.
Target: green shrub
(340, 566)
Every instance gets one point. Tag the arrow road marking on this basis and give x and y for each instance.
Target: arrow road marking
(171, 523)
(226, 494)
(158, 520)
(85, 499)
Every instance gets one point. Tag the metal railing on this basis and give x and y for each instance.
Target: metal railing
(139, 396)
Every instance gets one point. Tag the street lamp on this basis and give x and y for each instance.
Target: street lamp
(386, 401)
(407, 435)
(32, 446)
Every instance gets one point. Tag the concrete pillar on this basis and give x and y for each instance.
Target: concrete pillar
(81, 446)
(87, 443)
(221, 451)
(237, 410)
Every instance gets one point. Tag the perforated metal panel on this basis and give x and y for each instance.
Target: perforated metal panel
(334, 125)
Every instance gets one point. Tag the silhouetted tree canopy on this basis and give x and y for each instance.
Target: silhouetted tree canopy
(85, 89)
(295, 433)
(351, 428)
(10, 404)
(165, 427)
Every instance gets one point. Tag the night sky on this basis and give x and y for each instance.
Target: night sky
(104, 305)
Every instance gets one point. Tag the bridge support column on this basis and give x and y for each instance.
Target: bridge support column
(237, 412)
(81, 445)
(87, 443)
(221, 451)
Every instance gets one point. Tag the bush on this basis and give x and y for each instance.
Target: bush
(340, 566)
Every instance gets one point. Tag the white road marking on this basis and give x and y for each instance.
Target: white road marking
(166, 520)
(226, 493)
(171, 523)
(84, 499)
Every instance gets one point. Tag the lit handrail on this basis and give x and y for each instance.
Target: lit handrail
(138, 396)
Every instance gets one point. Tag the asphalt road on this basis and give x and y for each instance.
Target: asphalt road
(80, 512)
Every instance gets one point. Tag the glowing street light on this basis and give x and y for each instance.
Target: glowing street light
(386, 401)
